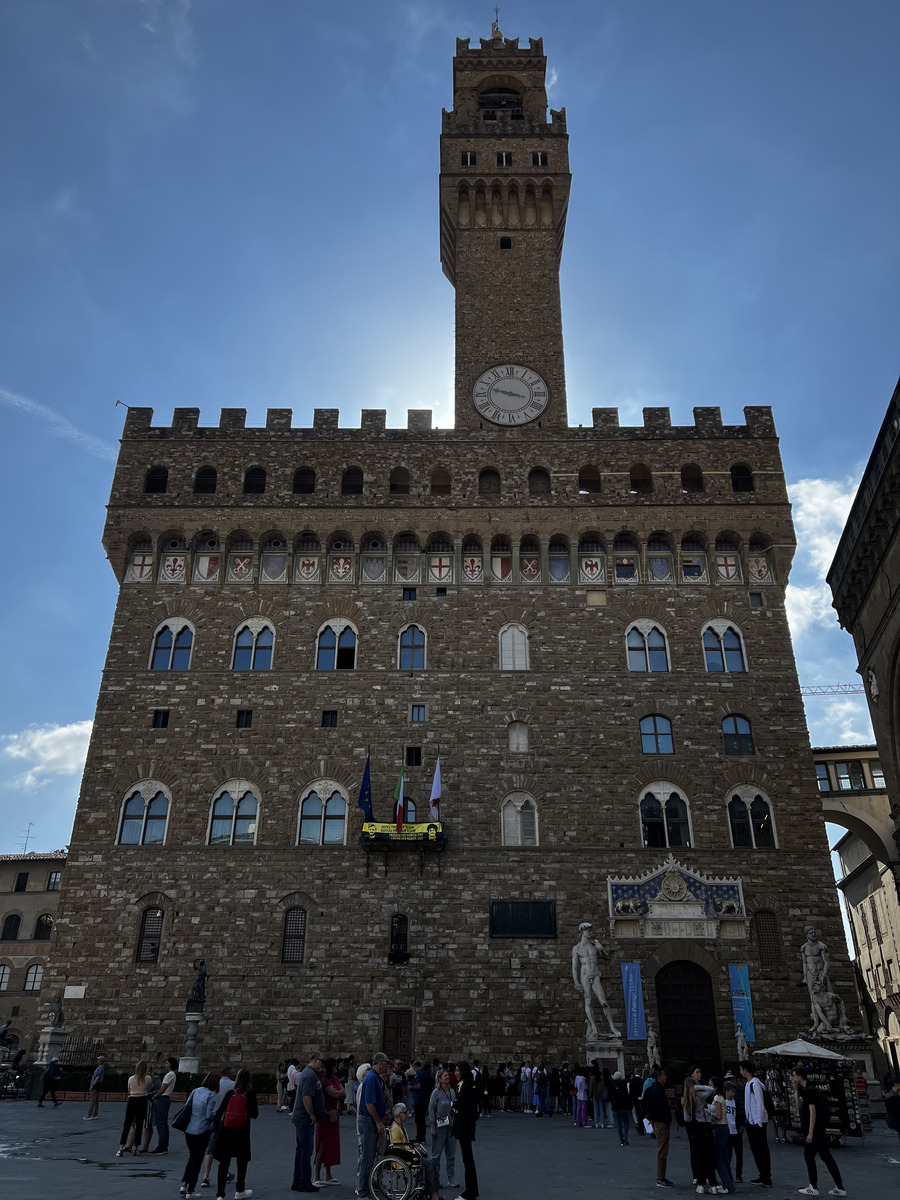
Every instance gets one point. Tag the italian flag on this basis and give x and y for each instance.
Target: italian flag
(398, 797)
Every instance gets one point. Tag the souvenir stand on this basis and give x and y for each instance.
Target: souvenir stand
(828, 1071)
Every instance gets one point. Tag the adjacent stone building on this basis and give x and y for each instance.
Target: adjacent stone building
(585, 625)
(29, 894)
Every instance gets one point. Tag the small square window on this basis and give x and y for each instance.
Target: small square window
(329, 718)
(161, 718)
(506, 243)
(53, 881)
(21, 882)
(504, 158)
(414, 756)
(756, 600)
(418, 713)
(409, 593)
(540, 158)
(15, 1011)
(440, 591)
(244, 719)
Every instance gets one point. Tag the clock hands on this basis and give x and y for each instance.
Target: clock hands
(504, 392)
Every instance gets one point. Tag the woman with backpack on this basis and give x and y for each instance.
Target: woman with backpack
(232, 1128)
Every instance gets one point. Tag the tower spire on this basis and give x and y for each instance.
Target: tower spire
(495, 26)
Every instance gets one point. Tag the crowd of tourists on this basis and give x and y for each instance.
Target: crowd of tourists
(422, 1112)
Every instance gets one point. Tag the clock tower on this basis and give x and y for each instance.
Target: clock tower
(504, 194)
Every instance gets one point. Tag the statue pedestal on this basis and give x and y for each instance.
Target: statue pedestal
(606, 1049)
(50, 1044)
(189, 1061)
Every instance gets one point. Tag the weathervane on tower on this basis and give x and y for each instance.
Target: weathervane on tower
(495, 25)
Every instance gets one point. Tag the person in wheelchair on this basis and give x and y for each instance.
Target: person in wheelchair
(413, 1153)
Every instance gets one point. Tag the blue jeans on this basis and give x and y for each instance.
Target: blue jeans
(368, 1140)
(722, 1141)
(623, 1122)
(306, 1137)
(443, 1143)
(161, 1116)
(542, 1101)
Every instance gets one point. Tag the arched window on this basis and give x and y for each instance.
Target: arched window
(750, 821)
(518, 821)
(398, 484)
(399, 943)
(11, 928)
(205, 481)
(144, 821)
(489, 483)
(723, 649)
(656, 735)
(150, 936)
(293, 939)
(43, 928)
(741, 478)
(517, 737)
(233, 824)
(156, 481)
(409, 810)
(322, 824)
(588, 481)
(664, 817)
(765, 932)
(412, 649)
(440, 482)
(647, 650)
(352, 482)
(172, 650)
(514, 648)
(640, 481)
(691, 480)
(336, 648)
(538, 482)
(254, 481)
(738, 735)
(304, 481)
(253, 651)
(34, 977)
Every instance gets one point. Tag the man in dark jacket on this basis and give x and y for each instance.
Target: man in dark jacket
(635, 1091)
(659, 1114)
(50, 1079)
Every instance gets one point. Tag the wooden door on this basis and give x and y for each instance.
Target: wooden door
(396, 1040)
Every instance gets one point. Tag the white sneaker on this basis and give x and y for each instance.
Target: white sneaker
(836, 1191)
(808, 1191)
(243, 1195)
(700, 1189)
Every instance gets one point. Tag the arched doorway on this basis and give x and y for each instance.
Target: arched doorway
(687, 1015)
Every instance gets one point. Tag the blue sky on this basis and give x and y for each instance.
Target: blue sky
(225, 203)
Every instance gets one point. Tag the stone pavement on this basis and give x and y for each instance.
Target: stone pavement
(52, 1152)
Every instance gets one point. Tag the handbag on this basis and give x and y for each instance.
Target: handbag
(182, 1118)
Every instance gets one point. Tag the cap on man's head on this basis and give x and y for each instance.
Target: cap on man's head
(380, 1057)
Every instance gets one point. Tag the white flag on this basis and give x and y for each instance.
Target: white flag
(436, 793)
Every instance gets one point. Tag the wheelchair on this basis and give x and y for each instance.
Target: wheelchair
(399, 1174)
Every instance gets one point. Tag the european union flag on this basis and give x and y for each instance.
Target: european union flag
(365, 794)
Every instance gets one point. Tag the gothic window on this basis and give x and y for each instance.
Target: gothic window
(156, 480)
(399, 939)
(665, 820)
(640, 481)
(205, 481)
(741, 478)
(254, 481)
(647, 651)
(322, 824)
(723, 648)
(150, 936)
(233, 824)
(518, 821)
(412, 649)
(43, 928)
(253, 651)
(517, 737)
(514, 648)
(399, 482)
(293, 939)
(336, 648)
(656, 735)
(538, 482)
(172, 650)
(144, 821)
(738, 735)
(489, 483)
(691, 480)
(352, 482)
(304, 481)
(588, 481)
(750, 821)
(765, 932)
(11, 928)
(34, 977)
(440, 482)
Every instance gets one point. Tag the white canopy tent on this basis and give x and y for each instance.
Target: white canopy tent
(802, 1049)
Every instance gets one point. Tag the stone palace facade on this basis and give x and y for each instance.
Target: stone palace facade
(586, 625)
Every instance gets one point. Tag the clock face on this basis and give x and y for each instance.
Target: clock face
(510, 395)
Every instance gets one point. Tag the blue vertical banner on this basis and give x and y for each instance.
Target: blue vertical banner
(636, 1026)
(741, 1004)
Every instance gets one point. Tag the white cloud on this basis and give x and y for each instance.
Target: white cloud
(49, 750)
(843, 723)
(57, 425)
(820, 512)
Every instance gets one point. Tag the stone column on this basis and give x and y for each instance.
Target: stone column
(189, 1061)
